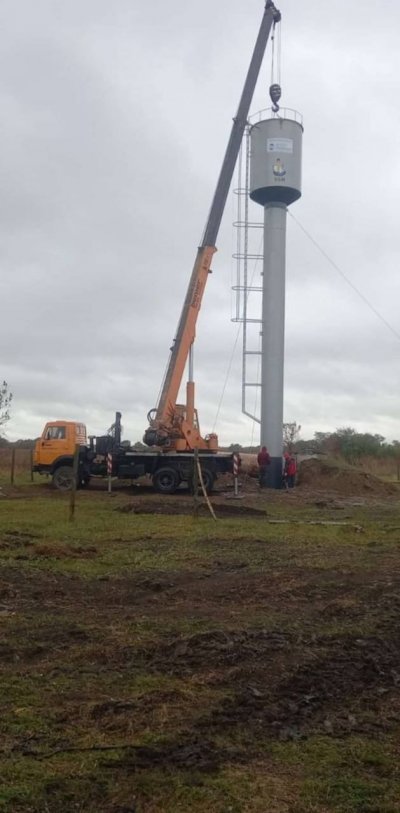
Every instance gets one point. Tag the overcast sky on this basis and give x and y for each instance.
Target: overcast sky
(114, 121)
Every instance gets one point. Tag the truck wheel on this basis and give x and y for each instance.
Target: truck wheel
(165, 481)
(208, 480)
(63, 478)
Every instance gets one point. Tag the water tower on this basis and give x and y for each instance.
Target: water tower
(275, 183)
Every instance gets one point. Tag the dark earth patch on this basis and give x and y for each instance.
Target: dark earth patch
(186, 507)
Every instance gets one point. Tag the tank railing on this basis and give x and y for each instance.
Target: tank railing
(283, 113)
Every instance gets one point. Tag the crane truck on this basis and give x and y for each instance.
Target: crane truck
(173, 433)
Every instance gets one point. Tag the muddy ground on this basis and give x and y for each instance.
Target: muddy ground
(279, 683)
(152, 662)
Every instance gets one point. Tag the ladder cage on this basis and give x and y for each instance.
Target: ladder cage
(248, 259)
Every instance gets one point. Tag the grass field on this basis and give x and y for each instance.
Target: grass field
(156, 663)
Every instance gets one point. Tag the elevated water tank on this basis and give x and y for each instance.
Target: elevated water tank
(275, 169)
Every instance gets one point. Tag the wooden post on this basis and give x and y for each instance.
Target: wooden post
(195, 483)
(12, 473)
(31, 460)
(398, 469)
(75, 469)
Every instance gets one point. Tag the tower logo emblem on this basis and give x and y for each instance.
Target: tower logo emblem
(279, 169)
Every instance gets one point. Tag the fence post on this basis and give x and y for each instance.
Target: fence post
(195, 483)
(74, 484)
(12, 473)
(31, 461)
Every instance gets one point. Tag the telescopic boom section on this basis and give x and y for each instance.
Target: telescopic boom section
(173, 425)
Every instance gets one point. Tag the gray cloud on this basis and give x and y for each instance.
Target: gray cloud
(114, 119)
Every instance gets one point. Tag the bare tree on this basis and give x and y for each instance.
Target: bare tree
(291, 433)
(5, 403)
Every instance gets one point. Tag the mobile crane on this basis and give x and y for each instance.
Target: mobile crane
(173, 428)
(176, 426)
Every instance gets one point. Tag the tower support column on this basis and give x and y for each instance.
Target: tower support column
(273, 338)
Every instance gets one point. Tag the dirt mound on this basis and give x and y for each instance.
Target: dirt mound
(330, 475)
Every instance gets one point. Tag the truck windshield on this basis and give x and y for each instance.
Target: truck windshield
(55, 433)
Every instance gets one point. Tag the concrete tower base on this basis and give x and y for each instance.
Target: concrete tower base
(274, 476)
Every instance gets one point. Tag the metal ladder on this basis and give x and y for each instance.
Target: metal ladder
(244, 287)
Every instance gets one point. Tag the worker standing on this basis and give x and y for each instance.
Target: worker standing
(263, 460)
(289, 470)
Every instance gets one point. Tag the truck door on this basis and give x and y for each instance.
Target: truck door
(54, 443)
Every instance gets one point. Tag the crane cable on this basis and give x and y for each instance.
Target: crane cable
(341, 273)
(345, 277)
(273, 54)
(276, 54)
(275, 90)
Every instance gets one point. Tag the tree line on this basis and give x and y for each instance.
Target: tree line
(345, 442)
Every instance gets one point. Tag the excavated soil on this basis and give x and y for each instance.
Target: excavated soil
(330, 476)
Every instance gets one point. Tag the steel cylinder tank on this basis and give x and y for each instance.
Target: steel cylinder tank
(275, 170)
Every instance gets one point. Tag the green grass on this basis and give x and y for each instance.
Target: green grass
(101, 621)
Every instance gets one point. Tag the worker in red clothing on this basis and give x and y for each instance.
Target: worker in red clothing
(289, 470)
(263, 460)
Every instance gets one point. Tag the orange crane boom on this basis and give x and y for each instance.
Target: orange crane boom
(171, 425)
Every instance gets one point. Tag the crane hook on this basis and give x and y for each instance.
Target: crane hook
(275, 93)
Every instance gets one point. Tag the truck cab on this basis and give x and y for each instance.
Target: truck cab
(54, 451)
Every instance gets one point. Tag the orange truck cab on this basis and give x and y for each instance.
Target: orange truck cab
(54, 452)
